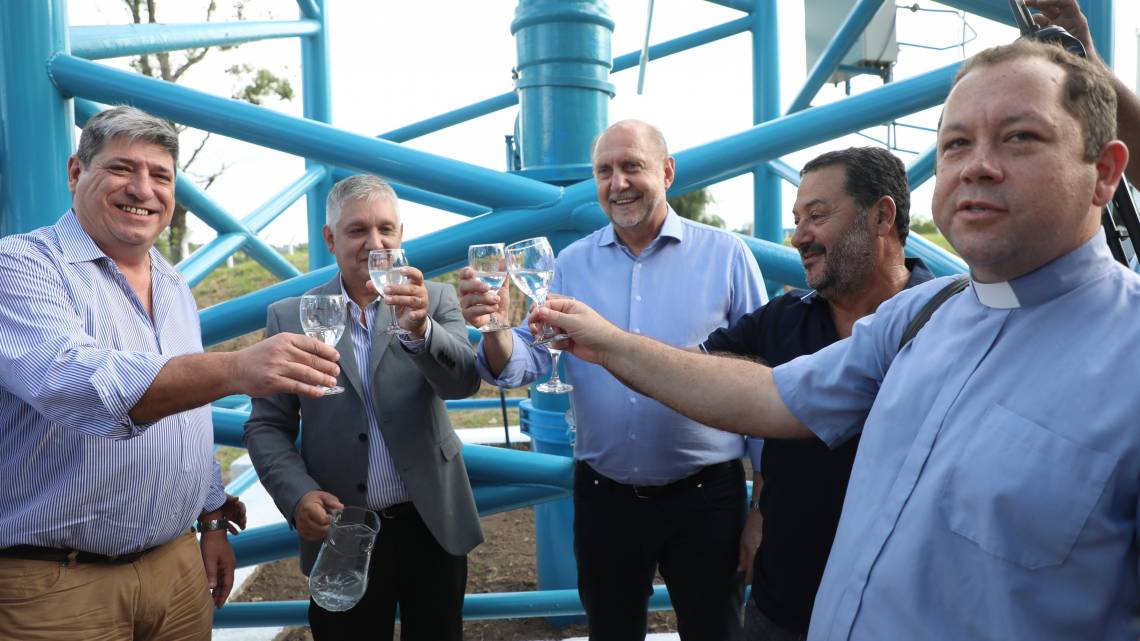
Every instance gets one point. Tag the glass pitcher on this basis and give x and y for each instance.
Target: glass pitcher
(339, 577)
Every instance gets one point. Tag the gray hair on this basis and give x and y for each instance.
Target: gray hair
(129, 123)
(655, 136)
(364, 187)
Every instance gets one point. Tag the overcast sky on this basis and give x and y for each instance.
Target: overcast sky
(395, 63)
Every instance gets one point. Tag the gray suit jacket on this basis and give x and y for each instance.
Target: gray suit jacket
(407, 392)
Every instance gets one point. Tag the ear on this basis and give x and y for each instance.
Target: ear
(670, 168)
(74, 169)
(1110, 164)
(884, 212)
(327, 233)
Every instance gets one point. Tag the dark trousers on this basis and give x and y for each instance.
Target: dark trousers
(410, 568)
(691, 532)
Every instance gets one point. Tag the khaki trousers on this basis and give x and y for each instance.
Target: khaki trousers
(162, 596)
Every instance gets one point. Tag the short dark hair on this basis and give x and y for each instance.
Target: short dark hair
(130, 123)
(869, 174)
(1087, 94)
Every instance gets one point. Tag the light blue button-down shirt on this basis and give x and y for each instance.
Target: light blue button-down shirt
(77, 352)
(995, 491)
(691, 280)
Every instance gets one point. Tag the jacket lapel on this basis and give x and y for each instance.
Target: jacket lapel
(380, 341)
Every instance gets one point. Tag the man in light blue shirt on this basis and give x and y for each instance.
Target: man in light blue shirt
(995, 491)
(652, 488)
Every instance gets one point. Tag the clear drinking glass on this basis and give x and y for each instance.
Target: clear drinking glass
(384, 269)
(489, 262)
(323, 318)
(530, 263)
(554, 384)
(339, 577)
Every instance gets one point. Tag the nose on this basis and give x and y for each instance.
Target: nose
(982, 165)
(140, 186)
(618, 181)
(800, 235)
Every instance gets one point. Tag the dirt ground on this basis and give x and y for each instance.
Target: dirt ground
(503, 563)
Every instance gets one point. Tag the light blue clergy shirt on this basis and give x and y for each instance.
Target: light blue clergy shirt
(691, 280)
(77, 352)
(995, 491)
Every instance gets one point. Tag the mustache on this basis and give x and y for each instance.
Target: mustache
(813, 248)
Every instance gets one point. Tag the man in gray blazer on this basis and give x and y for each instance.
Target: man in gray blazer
(386, 442)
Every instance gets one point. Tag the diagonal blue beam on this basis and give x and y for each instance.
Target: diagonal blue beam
(739, 5)
(510, 99)
(116, 41)
(439, 201)
(853, 26)
(309, 9)
(921, 168)
(198, 265)
(785, 171)
(314, 140)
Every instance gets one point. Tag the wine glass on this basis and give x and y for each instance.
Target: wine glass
(489, 262)
(384, 269)
(554, 384)
(322, 318)
(530, 263)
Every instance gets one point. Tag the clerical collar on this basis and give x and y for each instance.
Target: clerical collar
(1049, 281)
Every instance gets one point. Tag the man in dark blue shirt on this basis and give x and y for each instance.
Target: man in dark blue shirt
(852, 216)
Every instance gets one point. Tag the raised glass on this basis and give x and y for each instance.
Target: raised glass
(554, 384)
(323, 317)
(384, 269)
(489, 262)
(530, 263)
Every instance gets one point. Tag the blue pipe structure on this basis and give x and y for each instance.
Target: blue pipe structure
(95, 43)
(563, 91)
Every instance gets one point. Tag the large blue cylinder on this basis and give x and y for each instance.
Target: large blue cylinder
(563, 84)
(554, 520)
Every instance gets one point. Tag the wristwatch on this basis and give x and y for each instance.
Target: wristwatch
(210, 525)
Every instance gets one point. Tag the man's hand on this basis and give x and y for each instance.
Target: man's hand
(233, 511)
(477, 301)
(410, 299)
(218, 557)
(591, 336)
(311, 516)
(1067, 15)
(750, 538)
(285, 363)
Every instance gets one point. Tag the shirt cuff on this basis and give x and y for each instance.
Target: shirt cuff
(417, 345)
(515, 373)
(121, 382)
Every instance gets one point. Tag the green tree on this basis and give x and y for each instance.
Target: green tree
(254, 86)
(692, 206)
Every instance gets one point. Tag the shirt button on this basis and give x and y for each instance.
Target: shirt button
(636, 330)
(636, 469)
(638, 297)
(362, 436)
(632, 399)
(633, 437)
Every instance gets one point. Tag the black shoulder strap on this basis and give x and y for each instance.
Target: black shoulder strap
(931, 306)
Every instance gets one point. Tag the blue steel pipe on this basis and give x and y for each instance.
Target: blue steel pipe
(211, 213)
(203, 261)
(316, 94)
(228, 425)
(785, 171)
(115, 41)
(1100, 17)
(684, 43)
(465, 404)
(439, 201)
(476, 607)
(941, 262)
(493, 499)
(260, 218)
(502, 465)
(921, 168)
(35, 121)
(315, 140)
(767, 212)
(853, 26)
(264, 544)
(309, 9)
(996, 10)
(739, 5)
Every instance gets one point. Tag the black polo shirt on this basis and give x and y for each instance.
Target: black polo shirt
(804, 481)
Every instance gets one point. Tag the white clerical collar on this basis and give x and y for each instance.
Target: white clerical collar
(1049, 281)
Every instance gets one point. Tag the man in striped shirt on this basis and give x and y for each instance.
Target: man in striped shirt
(104, 423)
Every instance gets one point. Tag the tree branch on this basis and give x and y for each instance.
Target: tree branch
(194, 156)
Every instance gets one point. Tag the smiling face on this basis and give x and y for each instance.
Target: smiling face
(124, 198)
(832, 233)
(632, 174)
(363, 225)
(1013, 190)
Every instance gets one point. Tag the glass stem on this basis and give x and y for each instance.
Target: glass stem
(554, 356)
(392, 324)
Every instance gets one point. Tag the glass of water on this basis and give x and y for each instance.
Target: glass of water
(384, 269)
(489, 262)
(530, 263)
(322, 318)
(554, 384)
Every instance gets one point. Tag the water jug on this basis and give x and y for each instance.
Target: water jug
(339, 577)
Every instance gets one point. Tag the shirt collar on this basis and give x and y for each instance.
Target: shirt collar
(1049, 281)
(77, 246)
(673, 227)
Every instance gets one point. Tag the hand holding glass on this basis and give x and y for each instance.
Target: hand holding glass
(489, 262)
(384, 269)
(554, 384)
(531, 265)
(323, 318)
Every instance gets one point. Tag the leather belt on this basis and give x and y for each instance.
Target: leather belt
(68, 556)
(701, 476)
(397, 511)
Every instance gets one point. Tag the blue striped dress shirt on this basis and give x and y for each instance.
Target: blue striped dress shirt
(385, 488)
(77, 352)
